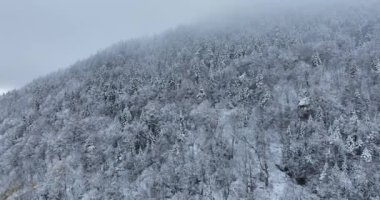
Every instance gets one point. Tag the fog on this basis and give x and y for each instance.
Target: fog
(38, 37)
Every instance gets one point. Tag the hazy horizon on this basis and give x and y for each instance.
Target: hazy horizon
(41, 37)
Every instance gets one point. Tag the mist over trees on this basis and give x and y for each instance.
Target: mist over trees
(281, 106)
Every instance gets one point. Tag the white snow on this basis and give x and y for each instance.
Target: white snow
(304, 102)
(277, 178)
(3, 91)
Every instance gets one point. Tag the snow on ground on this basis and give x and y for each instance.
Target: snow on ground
(4, 90)
(277, 178)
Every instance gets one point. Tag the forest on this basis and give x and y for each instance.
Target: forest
(283, 106)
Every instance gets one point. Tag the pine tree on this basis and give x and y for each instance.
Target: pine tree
(366, 155)
(316, 60)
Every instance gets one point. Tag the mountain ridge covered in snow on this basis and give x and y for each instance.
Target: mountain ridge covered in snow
(263, 106)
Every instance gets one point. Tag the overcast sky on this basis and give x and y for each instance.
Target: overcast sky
(41, 36)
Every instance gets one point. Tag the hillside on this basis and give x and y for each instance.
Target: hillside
(283, 106)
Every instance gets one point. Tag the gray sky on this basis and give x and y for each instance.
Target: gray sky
(41, 36)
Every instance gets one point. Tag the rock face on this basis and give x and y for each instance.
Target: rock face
(304, 108)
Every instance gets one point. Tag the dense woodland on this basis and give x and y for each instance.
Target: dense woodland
(284, 106)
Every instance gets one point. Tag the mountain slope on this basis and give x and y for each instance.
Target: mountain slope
(280, 107)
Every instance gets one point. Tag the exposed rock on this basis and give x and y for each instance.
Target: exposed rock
(304, 108)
